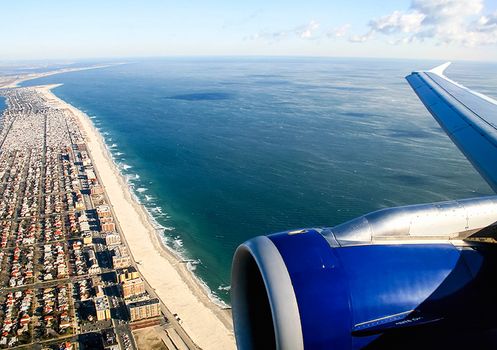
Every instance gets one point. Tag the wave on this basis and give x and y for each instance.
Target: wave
(159, 228)
(191, 265)
(177, 242)
(125, 166)
(210, 294)
(141, 189)
(157, 210)
(131, 177)
(224, 288)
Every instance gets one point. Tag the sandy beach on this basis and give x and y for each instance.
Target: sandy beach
(208, 325)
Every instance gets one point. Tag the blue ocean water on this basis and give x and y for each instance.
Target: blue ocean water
(3, 104)
(221, 150)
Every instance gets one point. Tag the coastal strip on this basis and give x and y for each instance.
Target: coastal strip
(13, 81)
(207, 324)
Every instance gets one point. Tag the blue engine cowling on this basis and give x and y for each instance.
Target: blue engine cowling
(296, 291)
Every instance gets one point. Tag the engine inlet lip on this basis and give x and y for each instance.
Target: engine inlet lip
(279, 289)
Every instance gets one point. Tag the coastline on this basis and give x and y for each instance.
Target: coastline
(208, 325)
(14, 80)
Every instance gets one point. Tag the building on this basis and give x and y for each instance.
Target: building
(121, 258)
(144, 309)
(107, 224)
(80, 146)
(112, 238)
(133, 287)
(79, 204)
(85, 160)
(96, 189)
(103, 211)
(93, 267)
(84, 225)
(99, 290)
(90, 174)
(102, 308)
(87, 237)
(127, 274)
(109, 338)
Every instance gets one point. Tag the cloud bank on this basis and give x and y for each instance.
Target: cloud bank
(444, 21)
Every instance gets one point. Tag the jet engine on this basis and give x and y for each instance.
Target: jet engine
(409, 277)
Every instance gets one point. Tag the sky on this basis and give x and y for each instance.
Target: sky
(421, 29)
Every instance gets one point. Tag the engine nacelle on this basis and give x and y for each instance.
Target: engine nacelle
(299, 289)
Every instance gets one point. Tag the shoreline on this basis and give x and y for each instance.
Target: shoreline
(209, 325)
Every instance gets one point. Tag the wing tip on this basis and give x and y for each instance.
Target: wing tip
(439, 70)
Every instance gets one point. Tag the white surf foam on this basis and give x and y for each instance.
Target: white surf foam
(224, 288)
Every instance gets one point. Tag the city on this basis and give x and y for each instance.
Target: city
(69, 279)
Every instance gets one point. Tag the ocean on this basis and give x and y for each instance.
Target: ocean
(220, 150)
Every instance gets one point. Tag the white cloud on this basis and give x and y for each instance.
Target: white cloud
(305, 31)
(361, 38)
(339, 32)
(443, 21)
(403, 22)
(449, 11)
(486, 23)
(485, 28)
(309, 30)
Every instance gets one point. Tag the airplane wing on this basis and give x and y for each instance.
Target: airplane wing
(468, 117)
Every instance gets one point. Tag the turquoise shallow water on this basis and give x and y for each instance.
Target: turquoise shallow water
(221, 150)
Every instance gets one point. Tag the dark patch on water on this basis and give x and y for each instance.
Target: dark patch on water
(411, 180)
(203, 96)
(412, 134)
(357, 114)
